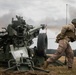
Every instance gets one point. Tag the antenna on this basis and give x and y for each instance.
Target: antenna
(66, 14)
(65, 62)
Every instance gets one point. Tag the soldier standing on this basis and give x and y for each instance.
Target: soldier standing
(64, 46)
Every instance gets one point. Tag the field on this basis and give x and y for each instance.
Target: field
(62, 70)
(54, 70)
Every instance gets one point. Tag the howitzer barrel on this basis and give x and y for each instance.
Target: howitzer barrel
(31, 31)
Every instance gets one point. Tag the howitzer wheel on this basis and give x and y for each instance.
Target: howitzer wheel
(41, 44)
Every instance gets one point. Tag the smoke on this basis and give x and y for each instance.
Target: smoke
(34, 12)
(51, 22)
(6, 19)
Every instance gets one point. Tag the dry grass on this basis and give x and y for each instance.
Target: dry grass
(54, 70)
(62, 70)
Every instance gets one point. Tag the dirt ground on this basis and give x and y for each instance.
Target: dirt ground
(54, 70)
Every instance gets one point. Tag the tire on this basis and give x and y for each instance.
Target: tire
(41, 44)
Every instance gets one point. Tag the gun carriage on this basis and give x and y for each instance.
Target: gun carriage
(15, 42)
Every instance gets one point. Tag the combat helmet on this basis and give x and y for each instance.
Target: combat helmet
(73, 21)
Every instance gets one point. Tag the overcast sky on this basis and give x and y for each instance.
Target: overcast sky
(50, 12)
(35, 12)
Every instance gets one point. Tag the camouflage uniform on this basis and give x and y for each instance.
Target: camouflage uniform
(67, 27)
(64, 46)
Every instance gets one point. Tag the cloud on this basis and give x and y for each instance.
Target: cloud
(41, 9)
(72, 12)
(37, 5)
(53, 22)
(72, 2)
(52, 12)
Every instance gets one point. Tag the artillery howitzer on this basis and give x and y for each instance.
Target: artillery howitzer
(15, 42)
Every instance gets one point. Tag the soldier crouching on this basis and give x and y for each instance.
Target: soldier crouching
(68, 34)
(63, 47)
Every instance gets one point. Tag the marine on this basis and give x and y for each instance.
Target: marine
(63, 45)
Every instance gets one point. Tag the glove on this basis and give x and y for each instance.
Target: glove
(59, 36)
(72, 39)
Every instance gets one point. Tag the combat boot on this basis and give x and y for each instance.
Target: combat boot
(46, 63)
(69, 68)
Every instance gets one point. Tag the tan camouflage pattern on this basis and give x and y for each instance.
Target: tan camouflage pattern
(64, 47)
(67, 27)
